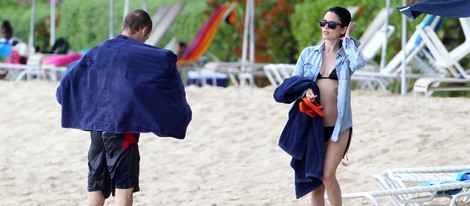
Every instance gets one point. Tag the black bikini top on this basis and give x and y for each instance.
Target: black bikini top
(332, 75)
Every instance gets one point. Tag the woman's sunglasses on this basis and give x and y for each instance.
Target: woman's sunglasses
(331, 24)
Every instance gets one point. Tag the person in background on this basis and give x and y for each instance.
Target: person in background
(180, 48)
(7, 34)
(19, 51)
(7, 43)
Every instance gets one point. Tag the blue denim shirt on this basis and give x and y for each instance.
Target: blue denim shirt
(348, 59)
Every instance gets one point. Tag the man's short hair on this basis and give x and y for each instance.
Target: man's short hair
(136, 20)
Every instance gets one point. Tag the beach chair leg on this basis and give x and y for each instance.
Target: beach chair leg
(373, 200)
(456, 198)
(360, 195)
(233, 79)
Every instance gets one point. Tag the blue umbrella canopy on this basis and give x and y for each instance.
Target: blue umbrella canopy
(447, 8)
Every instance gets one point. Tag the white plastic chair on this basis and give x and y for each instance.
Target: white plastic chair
(19, 72)
(431, 190)
(404, 177)
(445, 60)
(276, 73)
(400, 185)
(391, 72)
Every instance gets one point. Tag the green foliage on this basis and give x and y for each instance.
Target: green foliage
(86, 23)
(283, 27)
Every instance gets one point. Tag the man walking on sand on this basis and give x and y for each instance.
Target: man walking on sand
(119, 89)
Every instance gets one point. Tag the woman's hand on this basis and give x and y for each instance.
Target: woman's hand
(351, 29)
(310, 95)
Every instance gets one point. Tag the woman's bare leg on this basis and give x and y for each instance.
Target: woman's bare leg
(333, 156)
(318, 196)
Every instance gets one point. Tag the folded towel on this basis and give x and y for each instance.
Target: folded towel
(443, 192)
(461, 176)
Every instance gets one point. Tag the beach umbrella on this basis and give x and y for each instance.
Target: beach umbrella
(447, 8)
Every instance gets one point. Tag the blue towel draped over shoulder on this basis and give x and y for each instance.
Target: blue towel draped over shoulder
(302, 136)
(125, 86)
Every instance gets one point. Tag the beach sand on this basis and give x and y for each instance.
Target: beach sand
(230, 155)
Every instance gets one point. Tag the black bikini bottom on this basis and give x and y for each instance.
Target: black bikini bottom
(328, 131)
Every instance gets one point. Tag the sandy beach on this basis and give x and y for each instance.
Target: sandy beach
(230, 155)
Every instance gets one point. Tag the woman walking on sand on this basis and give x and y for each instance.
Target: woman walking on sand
(323, 73)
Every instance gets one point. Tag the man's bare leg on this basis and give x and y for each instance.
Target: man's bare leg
(95, 198)
(124, 197)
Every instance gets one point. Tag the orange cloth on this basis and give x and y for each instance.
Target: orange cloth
(312, 108)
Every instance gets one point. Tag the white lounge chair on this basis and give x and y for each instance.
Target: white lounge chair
(19, 72)
(400, 185)
(11, 71)
(376, 25)
(162, 20)
(276, 73)
(446, 60)
(431, 191)
(35, 68)
(392, 70)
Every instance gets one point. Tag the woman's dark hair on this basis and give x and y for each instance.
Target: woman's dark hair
(137, 20)
(343, 14)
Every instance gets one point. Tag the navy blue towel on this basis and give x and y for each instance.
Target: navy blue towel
(302, 136)
(125, 86)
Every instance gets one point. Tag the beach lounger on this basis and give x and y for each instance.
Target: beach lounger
(162, 20)
(431, 191)
(457, 76)
(17, 72)
(404, 186)
(11, 71)
(40, 66)
(380, 79)
(276, 73)
(375, 37)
